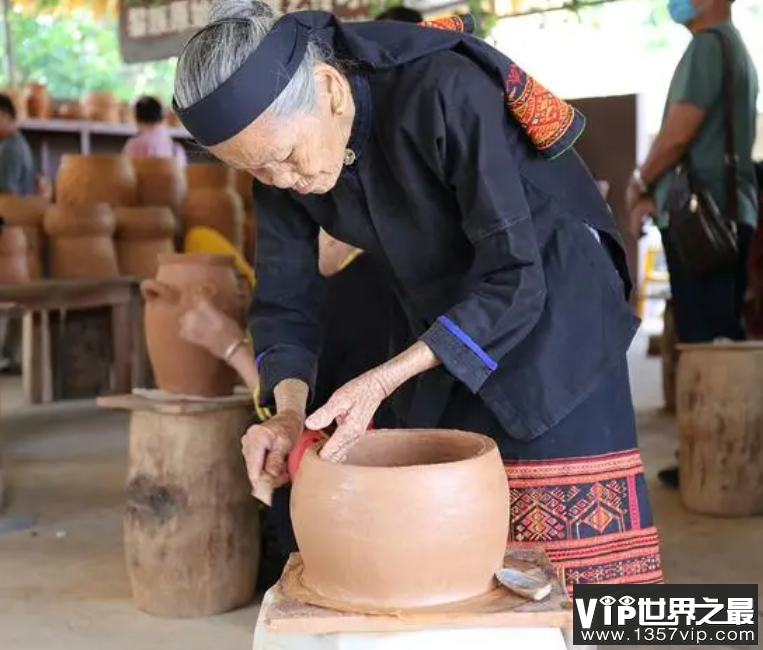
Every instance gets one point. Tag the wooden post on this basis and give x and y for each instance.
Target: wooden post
(720, 421)
(669, 351)
(191, 524)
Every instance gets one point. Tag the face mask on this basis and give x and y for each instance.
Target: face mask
(681, 11)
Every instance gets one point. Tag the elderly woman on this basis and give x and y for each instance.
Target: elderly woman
(453, 169)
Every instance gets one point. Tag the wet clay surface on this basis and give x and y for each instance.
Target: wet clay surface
(382, 530)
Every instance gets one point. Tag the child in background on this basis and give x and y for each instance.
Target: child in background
(154, 139)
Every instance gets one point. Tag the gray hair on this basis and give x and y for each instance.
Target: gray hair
(213, 56)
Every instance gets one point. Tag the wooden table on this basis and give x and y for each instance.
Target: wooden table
(40, 298)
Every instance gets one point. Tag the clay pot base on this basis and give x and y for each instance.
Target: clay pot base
(498, 599)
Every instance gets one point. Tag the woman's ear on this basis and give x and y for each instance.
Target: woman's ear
(335, 86)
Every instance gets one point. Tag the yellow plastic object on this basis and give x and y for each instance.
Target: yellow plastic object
(205, 240)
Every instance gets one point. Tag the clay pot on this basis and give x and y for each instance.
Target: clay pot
(81, 241)
(244, 183)
(212, 201)
(39, 104)
(206, 175)
(28, 212)
(250, 236)
(126, 113)
(161, 181)
(172, 119)
(412, 518)
(69, 111)
(142, 235)
(92, 179)
(100, 106)
(13, 256)
(181, 367)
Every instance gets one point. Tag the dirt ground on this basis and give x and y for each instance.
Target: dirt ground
(63, 584)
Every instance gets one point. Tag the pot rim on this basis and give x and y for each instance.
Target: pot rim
(205, 259)
(487, 446)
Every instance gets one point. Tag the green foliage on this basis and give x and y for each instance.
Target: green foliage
(77, 54)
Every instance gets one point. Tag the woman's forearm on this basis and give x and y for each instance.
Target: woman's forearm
(291, 396)
(242, 362)
(411, 362)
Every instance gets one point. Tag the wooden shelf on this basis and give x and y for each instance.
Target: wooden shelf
(95, 128)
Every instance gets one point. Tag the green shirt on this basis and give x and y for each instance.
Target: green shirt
(698, 80)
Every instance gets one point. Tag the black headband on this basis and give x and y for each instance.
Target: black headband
(251, 89)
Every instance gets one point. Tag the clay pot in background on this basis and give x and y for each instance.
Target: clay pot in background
(39, 104)
(180, 367)
(244, 183)
(100, 106)
(443, 492)
(172, 119)
(206, 175)
(161, 181)
(143, 233)
(81, 241)
(213, 201)
(69, 110)
(19, 97)
(126, 113)
(83, 180)
(28, 212)
(13, 256)
(250, 236)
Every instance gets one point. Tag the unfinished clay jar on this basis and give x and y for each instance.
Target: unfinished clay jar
(27, 212)
(412, 518)
(13, 256)
(181, 367)
(244, 182)
(81, 241)
(83, 180)
(250, 236)
(213, 202)
(161, 181)
(142, 234)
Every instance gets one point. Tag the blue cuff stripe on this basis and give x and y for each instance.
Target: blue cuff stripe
(258, 359)
(468, 342)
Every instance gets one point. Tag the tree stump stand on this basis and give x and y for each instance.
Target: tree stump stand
(720, 422)
(191, 524)
(669, 352)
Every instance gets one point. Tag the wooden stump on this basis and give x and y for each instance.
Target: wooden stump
(191, 524)
(669, 349)
(720, 421)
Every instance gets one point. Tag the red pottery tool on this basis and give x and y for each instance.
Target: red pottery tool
(265, 485)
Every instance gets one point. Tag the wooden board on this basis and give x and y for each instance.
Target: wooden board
(177, 406)
(288, 616)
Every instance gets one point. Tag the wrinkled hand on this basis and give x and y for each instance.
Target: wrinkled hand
(207, 326)
(352, 407)
(267, 445)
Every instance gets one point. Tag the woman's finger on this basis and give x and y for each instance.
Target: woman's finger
(337, 407)
(255, 445)
(346, 435)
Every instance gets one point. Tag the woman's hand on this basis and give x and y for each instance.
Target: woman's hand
(207, 326)
(267, 445)
(352, 407)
